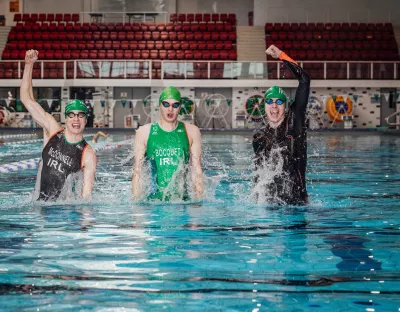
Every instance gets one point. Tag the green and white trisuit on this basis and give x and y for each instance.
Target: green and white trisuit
(169, 154)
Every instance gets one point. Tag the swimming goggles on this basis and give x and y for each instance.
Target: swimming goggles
(277, 102)
(80, 115)
(167, 104)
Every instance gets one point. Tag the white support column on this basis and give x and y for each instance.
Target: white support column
(372, 71)
(150, 69)
(278, 71)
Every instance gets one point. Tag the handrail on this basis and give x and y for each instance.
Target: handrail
(123, 14)
(186, 69)
(390, 116)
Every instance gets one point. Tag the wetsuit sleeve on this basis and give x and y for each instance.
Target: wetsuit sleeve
(259, 141)
(299, 105)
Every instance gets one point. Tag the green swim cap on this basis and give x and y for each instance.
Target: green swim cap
(275, 93)
(77, 105)
(170, 93)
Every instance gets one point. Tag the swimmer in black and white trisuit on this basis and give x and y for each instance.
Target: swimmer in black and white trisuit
(65, 151)
(285, 138)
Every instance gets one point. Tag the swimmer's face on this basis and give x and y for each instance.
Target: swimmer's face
(169, 113)
(75, 122)
(275, 112)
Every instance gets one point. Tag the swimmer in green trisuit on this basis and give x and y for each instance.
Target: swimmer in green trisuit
(169, 145)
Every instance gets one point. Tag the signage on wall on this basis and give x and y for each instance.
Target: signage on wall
(14, 6)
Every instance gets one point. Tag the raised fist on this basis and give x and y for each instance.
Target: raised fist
(273, 51)
(31, 56)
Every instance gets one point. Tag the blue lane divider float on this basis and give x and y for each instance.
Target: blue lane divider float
(8, 136)
(22, 142)
(16, 143)
(34, 162)
(20, 165)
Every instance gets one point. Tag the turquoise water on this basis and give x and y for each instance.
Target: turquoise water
(339, 253)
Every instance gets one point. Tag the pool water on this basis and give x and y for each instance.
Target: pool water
(339, 253)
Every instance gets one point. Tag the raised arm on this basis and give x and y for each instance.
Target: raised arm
(299, 105)
(195, 159)
(44, 119)
(97, 135)
(139, 152)
(89, 171)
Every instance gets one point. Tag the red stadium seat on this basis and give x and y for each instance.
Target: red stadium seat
(133, 45)
(17, 17)
(121, 36)
(211, 27)
(277, 27)
(113, 35)
(193, 45)
(34, 17)
(107, 45)
(26, 17)
(294, 27)
(67, 17)
(286, 27)
(190, 17)
(75, 17)
(181, 17)
(127, 54)
(232, 55)
(138, 36)
(124, 45)
(126, 27)
(215, 36)
(50, 17)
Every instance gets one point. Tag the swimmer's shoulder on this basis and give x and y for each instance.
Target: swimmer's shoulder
(259, 132)
(89, 149)
(89, 156)
(192, 131)
(143, 132)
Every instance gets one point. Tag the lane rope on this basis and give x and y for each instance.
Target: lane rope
(16, 143)
(34, 162)
(7, 136)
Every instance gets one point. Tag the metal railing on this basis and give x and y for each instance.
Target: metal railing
(124, 17)
(166, 69)
(390, 116)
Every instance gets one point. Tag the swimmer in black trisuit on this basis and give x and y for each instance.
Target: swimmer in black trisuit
(284, 138)
(65, 151)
